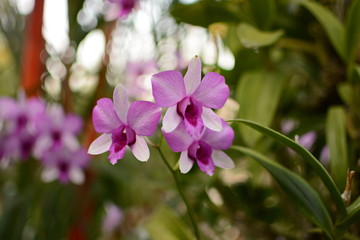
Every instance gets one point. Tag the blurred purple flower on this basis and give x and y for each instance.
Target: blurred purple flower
(57, 130)
(307, 140)
(189, 99)
(206, 150)
(325, 155)
(124, 7)
(138, 76)
(65, 164)
(123, 124)
(17, 126)
(113, 218)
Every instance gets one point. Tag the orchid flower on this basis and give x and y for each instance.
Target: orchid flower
(125, 7)
(123, 124)
(205, 151)
(189, 99)
(65, 164)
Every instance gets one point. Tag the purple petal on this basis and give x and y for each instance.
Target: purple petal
(203, 157)
(121, 103)
(185, 163)
(8, 107)
(168, 88)
(193, 75)
(72, 123)
(222, 160)
(219, 140)
(116, 155)
(192, 111)
(171, 119)
(140, 149)
(100, 145)
(178, 140)
(104, 116)
(212, 91)
(143, 117)
(211, 119)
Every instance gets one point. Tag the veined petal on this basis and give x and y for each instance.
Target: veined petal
(121, 102)
(168, 88)
(100, 145)
(114, 155)
(211, 119)
(212, 91)
(171, 119)
(140, 149)
(192, 77)
(185, 163)
(178, 140)
(143, 117)
(222, 160)
(104, 116)
(203, 157)
(219, 140)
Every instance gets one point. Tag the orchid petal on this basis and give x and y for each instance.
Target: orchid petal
(144, 117)
(171, 119)
(121, 102)
(76, 175)
(212, 91)
(104, 116)
(168, 88)
(72, 123)
(140, 149)
(179, 139)
(211, 119)
(192, 77)
(49, 174)
(219, 140)
(100, 145)
(114, 156)
(222, 160)
(185, 163)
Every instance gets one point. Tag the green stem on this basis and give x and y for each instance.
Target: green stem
(181, 192)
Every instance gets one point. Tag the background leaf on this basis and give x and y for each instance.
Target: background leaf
(336, 140)
(333, 27)
(300, 192)
(165, 225)
(258, 94)
(251, 37)
(352, 31)
(264, 12)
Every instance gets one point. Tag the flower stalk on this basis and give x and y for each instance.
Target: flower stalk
(182, 194)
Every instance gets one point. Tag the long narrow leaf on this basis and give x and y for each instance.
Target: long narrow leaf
(300, 192)
(333, 27)
(314, 163)
(352, 31)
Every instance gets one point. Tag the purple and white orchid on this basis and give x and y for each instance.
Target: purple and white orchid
(123, 124)
(190, 99)
(205, 150)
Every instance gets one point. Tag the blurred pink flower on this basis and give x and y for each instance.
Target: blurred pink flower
(124, 7)
(113, 218)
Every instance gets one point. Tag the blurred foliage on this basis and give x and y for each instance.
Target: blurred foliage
(296, 63)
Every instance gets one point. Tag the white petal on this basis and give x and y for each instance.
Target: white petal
(185, 163)
(211, 120)
(171, 119)
(70, 141)
(222, 160)
(42, 144)
(193, 75)
(76, 175)
(140, 149)
(49, 174)
(101, 144)
(121, 102)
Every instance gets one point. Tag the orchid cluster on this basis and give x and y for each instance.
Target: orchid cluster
(190, 126)
(30, 129)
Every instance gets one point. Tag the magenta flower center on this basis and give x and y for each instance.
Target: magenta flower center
(121, 137)
(22, 121)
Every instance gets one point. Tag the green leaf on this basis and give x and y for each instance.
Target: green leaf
(264, 12)
(165, 225)
(203, 13)
(352, 31)
(344, 90)
(258, 94)
(336, 140)
(308, 157)
(352, 217)
(298, 190)
(333, 27)
(251, 37)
